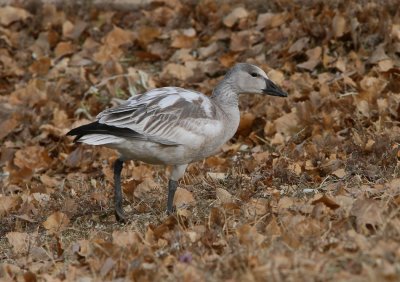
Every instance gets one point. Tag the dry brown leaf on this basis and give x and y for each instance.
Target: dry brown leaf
(241, 40)
(273, 228)
(394, 184)
(177, 71)
(145, 187)
(118, 37)
(340, 173)
(56, 222)
(246, 122)
(236, 15)
(295, 167)
(183, 41)
(256, 207)
(299, 45)
(108, 264)
(64, 48)
(270, 20)
(8, 204)
(60, 118)
(285, 203)
(287, 124)
(378, 55)
(228, 59)
(215, 161)
(276, 76)
(147, 34)
(385, 65)
(33, 157)
(206, 52)
(368, 215)
(327, 201)
(248, 235)
(314, 58)
(338, 25)
(363, 108)
(395, 32)
(141, 172)
(112, 41)
(217, 176)
(372, 85)
(9, 14)
(183, 198)
(41, 66)
(7, 126)
(49, 181)
(224, 196)
(67, 28)
(19, 241)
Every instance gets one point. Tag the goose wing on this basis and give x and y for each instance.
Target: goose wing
(169, 116)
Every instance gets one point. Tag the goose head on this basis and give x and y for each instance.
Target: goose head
(247, 78)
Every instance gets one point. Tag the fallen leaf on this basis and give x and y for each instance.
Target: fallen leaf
(228, 59)
(205, 52)
(217, 176)
(235, 16)
(41, 66)
(19, 241)
(33, 157)
(327, 201)
(385, 65)
(125, 238)
(56, 222)
(314, 58)
(145, 187)
(256, 207)
(299, 45)
(183, 197)
(248, 235)
(224, 196)
(8, 204)
(183, 41)
(270, 20)
(7, 126)
(107, 266)
(368, 215)
(9, 14)
(177, 71)
(49, 181)
(147, 34)
(287, 123)
(64, 48)
(340, 173)
(338, 25)
(246, 122)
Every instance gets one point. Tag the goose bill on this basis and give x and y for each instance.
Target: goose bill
(273, 89)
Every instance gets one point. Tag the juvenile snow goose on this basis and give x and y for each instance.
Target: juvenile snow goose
(174, 126)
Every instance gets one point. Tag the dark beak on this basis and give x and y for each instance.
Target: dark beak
(273, 89)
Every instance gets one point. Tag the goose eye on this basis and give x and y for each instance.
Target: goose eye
(254, 74)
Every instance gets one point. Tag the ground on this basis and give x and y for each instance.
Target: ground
(307, 190)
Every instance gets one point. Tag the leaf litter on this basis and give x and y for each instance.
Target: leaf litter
(308, 189)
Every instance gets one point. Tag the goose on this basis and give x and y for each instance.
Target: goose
(174, 126)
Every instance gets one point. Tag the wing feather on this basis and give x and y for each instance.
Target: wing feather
(168, 115)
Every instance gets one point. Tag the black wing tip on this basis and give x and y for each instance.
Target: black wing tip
(100, 128)
(80, 131)
(73, 133)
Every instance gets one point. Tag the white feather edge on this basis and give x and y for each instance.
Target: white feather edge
(100, 139)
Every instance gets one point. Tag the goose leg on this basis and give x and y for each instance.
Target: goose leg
(172, 185)
(119, 212)
(177, 173)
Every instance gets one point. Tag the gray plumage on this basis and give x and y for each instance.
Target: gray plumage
(174, 126)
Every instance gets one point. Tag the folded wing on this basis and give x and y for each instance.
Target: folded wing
(169, 116)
